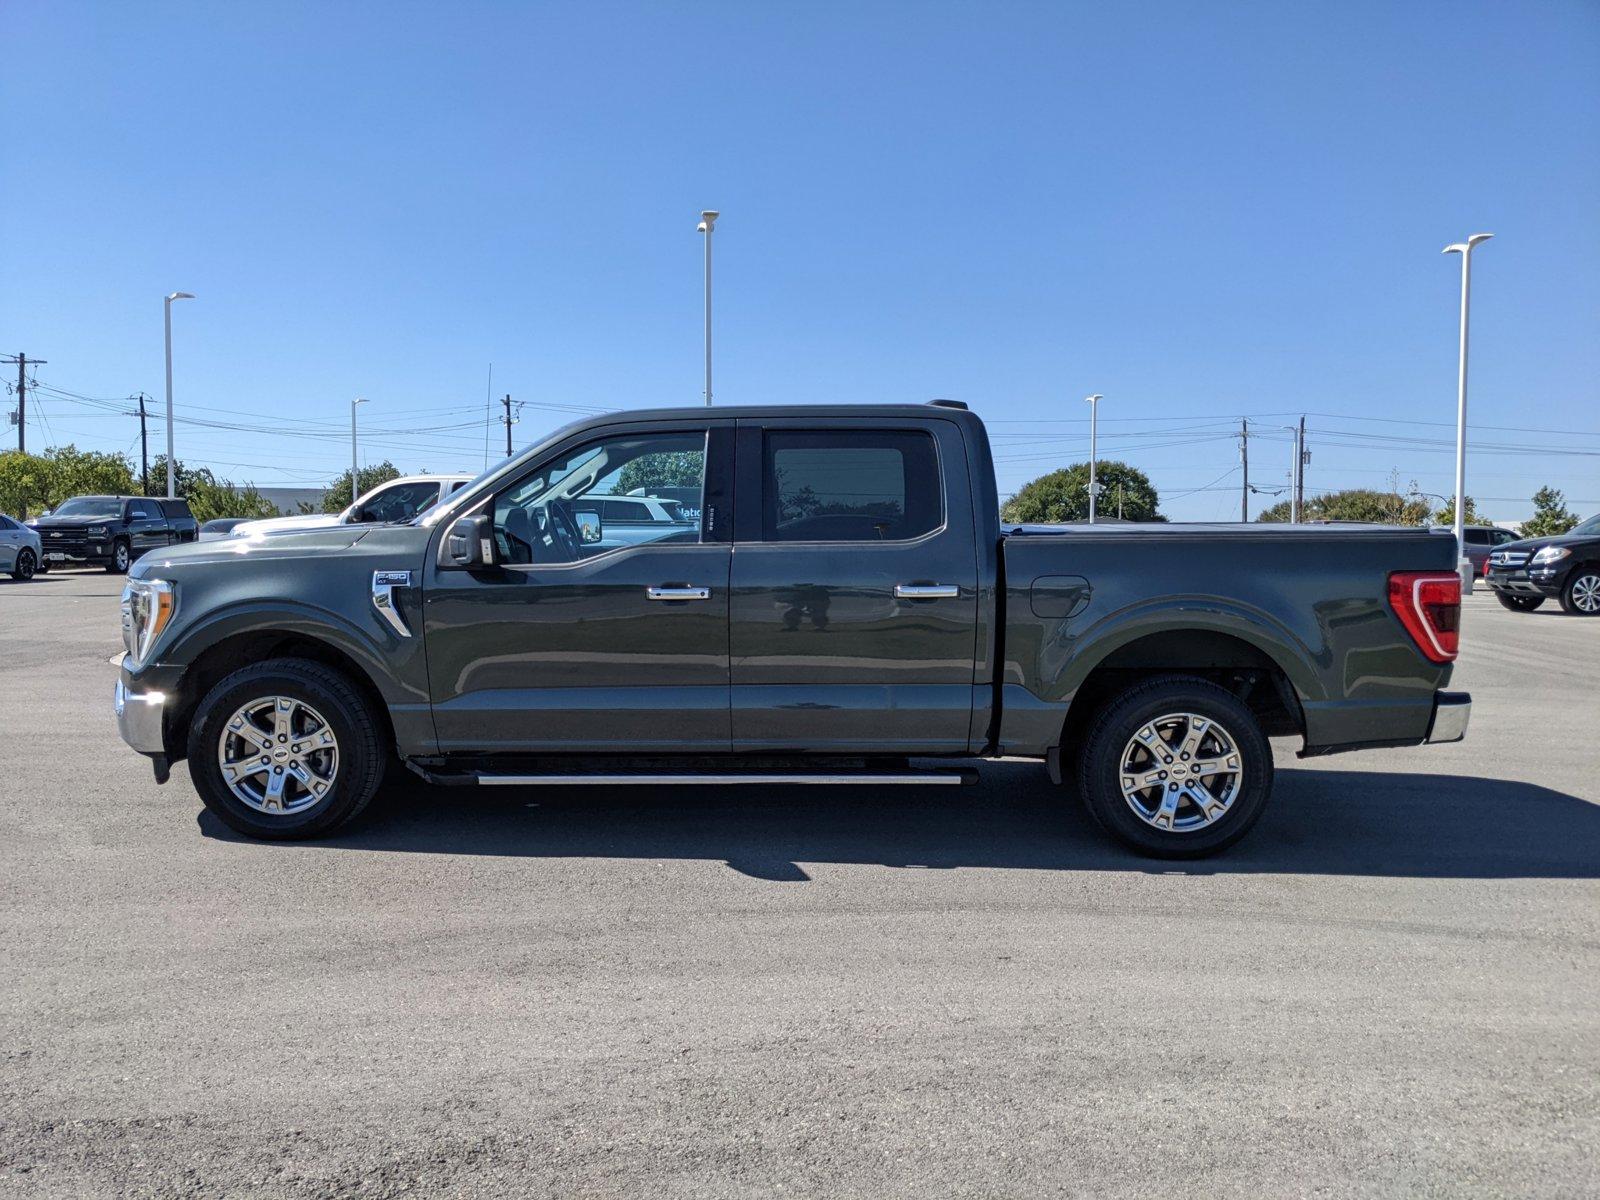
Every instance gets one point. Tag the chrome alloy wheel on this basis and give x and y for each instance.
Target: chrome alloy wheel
(278, 755)
(1586, 593)
(1181, 772)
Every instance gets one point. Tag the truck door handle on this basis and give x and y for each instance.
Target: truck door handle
(677, 593)
(926, 591)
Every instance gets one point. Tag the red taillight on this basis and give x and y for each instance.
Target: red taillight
(1429, 606)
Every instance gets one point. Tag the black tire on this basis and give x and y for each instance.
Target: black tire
(25, 565)
(1110, 733)
(121, 558)
(362, 755)
(1581, 596)
(1519, 603)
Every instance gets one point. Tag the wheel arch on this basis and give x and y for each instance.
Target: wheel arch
(228, 653)
(1224, 656)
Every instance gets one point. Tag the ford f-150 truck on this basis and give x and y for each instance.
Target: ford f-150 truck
(846, 608)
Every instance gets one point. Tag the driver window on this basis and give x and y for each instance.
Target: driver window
(554, 515)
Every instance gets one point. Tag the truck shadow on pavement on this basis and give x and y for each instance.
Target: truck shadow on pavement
(1320, 822)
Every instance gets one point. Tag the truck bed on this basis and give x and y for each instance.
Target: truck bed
(1309, 602)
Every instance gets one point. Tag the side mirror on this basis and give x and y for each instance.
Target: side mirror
(469, 546)
(590, 528)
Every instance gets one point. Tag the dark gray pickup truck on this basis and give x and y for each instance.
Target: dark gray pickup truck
(845, 608)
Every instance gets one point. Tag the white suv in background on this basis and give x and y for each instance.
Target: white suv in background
(397, 500)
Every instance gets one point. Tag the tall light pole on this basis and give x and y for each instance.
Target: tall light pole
(708, 222)
(1465, 250)
(1296, 432)
(172, 472)
(355, 490)
(1094, 457)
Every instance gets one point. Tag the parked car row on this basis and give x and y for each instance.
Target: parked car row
(114, 531)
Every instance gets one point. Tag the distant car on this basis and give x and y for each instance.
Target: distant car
(112, 531)
(1481, 541)
(397, 500)
(1526, 573)
(631, 520)
(221, 527)
(19, 549)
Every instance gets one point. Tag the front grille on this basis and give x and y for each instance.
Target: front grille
(64, 541)
(1509, 558)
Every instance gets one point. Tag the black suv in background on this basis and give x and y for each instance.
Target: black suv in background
(1567, 568)
(111, 531)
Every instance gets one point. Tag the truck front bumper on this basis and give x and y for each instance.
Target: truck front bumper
(1451, 712)
(139, 718)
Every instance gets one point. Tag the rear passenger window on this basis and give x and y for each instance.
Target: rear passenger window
(848, 486)
(1477, 537)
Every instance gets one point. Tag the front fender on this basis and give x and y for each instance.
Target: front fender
(394, 665)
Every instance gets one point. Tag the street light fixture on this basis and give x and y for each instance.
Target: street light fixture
(1465, 250)
(1094, 487)
(708, 222)
(354, 489)
(172, 471)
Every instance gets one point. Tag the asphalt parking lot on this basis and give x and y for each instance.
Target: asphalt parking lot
(1392, 987)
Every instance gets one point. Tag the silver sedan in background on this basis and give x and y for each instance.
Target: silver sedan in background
(19, 549)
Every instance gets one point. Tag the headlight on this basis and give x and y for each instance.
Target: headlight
(1551, 554)
(98, 531)
(147, 606)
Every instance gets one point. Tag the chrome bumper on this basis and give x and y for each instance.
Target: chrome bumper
(139, 717)
(1451, 712)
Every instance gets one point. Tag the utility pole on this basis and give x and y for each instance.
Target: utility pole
(1301, 458)
(507, 420)
(1244, 458)
(144, 452)
(22, 398)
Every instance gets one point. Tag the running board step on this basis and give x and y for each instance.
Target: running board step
(955, 777)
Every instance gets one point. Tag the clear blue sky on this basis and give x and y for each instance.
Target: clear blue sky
(1199, 211)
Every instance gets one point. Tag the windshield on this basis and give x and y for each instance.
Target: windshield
(1591, 526)
(92, 508)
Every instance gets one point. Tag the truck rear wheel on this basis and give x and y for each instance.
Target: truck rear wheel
(285, 749)
(1175, 767)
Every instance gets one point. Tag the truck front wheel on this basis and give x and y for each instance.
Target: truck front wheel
(1175, 767)
(285, 749)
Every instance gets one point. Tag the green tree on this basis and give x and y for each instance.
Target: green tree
(1358, 504)
(33, 482)
(1064, 495)
(1447, 514)
(208, 496)
(671, 468)
(338, 495)
(1551, 516)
